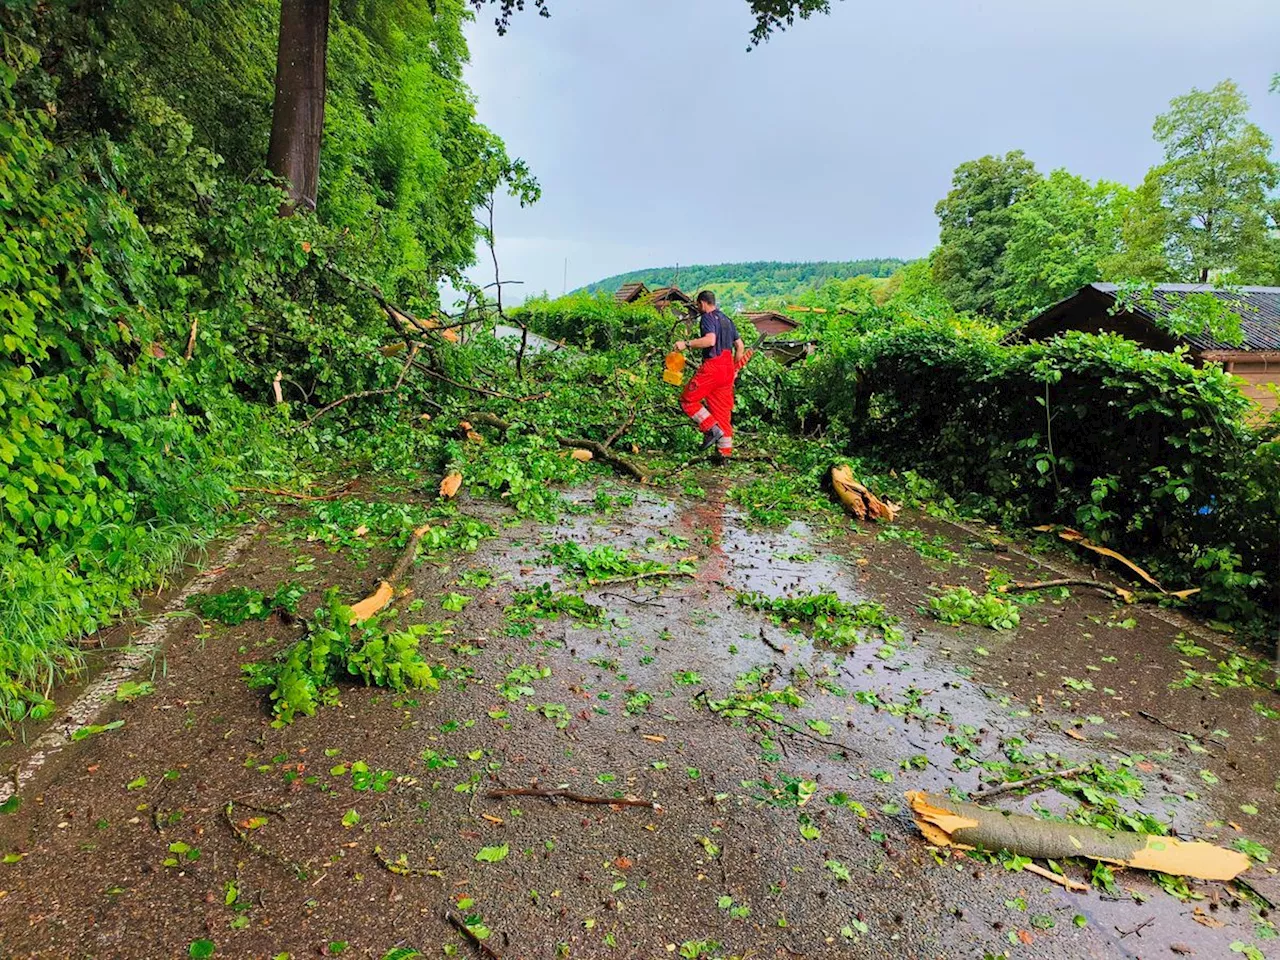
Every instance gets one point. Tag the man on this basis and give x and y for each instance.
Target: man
(708, 399)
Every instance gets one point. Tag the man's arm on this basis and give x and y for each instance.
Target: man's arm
(702, 343)
(739, 349)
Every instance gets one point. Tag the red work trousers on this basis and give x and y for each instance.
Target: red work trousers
(708, 399)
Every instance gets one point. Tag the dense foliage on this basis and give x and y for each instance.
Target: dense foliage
(150, 293)
(1136, 448)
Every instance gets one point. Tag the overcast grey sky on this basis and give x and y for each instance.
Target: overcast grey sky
(658, 138)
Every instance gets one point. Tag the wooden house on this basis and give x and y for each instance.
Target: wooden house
(631, 292)
(672, 300)
(770, 322)
(1256, 360)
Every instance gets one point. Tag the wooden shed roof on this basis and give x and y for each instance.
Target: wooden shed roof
(671, 295)
(631, 292)
(1258, 308)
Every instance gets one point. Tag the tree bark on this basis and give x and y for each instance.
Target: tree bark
(297, 119)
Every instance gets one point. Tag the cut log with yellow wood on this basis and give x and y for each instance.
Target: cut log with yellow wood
(386, 589)
(449, 485)
(577, 453)
(857, 499)
(967, 826)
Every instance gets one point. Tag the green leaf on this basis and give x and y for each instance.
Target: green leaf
(201, 948)
(493, 854)
(11, 805)
(93, 730)
(350, 819)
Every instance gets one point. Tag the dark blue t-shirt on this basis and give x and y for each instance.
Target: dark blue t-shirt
(726, 333)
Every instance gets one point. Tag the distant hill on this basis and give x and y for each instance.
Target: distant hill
(747, 284)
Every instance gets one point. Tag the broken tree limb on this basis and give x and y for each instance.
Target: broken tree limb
(967, 826)
(569, 795)
(857, 499)
(386, 589)
(1116, 593)
(1012, 785)
(191, 339)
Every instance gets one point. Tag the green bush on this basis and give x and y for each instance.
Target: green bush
(597, 321)
(1137, 449)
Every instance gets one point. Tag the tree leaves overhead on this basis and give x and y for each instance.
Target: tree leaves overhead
(771, 16)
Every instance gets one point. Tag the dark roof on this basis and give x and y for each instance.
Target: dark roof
(630, 292)
(1258, 308)
(762, 315)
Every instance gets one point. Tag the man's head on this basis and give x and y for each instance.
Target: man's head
(706, 301)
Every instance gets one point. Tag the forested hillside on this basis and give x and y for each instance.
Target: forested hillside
(751, 284)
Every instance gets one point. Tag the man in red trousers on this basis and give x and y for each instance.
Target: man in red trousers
(708, 399)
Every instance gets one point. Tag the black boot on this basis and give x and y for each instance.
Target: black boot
(711, 437)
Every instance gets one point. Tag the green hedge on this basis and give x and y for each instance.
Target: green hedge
(594, 320)
(1136, 448)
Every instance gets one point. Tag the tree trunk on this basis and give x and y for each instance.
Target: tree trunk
(297, 119)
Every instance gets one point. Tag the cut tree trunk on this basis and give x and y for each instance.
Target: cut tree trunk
(297, 119)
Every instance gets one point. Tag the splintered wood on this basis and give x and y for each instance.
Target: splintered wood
(386, 589)
(967, 826)
(857, 499)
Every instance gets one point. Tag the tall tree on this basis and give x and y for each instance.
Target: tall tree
(297, 118)
(1216, 178)
(976, 220)
(1060, 232)
(1143, 249)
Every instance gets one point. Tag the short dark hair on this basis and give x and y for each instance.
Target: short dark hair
(707, 297)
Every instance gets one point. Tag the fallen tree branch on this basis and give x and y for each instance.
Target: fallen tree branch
(361, 394)
(967, 826)
(191, 340)
(1028, 782)
(569, 795)
(484, 948)
(639, 602)
(385, 590)
(745, 711)
(1115, 593)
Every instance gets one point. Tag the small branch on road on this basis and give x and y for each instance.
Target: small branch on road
(569, 795)
(1028, 782)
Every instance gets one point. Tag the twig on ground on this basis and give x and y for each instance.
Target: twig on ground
(243, 836)
(485, 950)
(771, 645)
(1182, 733)
(1028, 782)
(569, 795)
(403, 869)
(1138, 929)
(638, 601)
(1074, 886)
